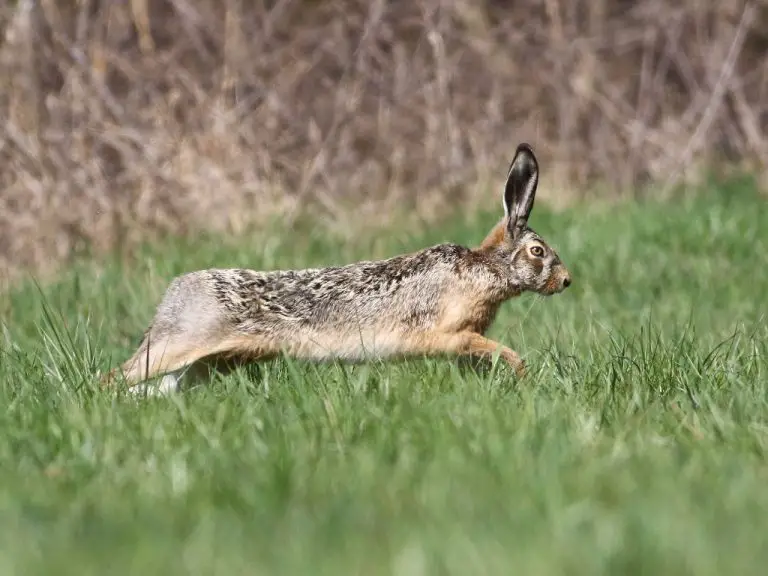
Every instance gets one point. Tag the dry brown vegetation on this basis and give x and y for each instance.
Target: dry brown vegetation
(126, 119)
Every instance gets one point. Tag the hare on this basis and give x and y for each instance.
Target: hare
(440, 300)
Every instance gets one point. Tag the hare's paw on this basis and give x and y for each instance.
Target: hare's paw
(513, 359)
(521, 369)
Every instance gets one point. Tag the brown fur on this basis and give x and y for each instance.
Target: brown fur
(440, 300)
(496, 236)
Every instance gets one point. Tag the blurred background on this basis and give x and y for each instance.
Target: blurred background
(126, 120)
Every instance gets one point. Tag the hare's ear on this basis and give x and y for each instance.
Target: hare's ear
(520, 190)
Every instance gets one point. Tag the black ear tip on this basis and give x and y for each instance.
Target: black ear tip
(525, 159)
(525, 148)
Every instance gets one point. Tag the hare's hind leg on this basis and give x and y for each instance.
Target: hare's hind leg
(162, 356)
(470, 344)
(168, 356)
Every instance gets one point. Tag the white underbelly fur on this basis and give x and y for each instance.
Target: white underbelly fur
(352, 346)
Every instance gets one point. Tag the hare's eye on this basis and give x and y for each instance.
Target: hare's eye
(537, 251)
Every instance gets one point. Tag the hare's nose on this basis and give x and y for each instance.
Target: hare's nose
(566, 281)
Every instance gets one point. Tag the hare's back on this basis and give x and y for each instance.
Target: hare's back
(402, 289)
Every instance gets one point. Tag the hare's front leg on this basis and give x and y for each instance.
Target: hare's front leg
(471, 344)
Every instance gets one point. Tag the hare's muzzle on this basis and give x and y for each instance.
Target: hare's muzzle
(559, 280)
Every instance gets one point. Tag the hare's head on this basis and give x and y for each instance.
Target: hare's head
(533, 264)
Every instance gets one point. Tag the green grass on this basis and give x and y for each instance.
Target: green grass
(637, 444)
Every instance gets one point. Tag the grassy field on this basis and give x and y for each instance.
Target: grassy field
(637, 444)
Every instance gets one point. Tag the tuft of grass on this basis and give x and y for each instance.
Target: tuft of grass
(637, 444)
